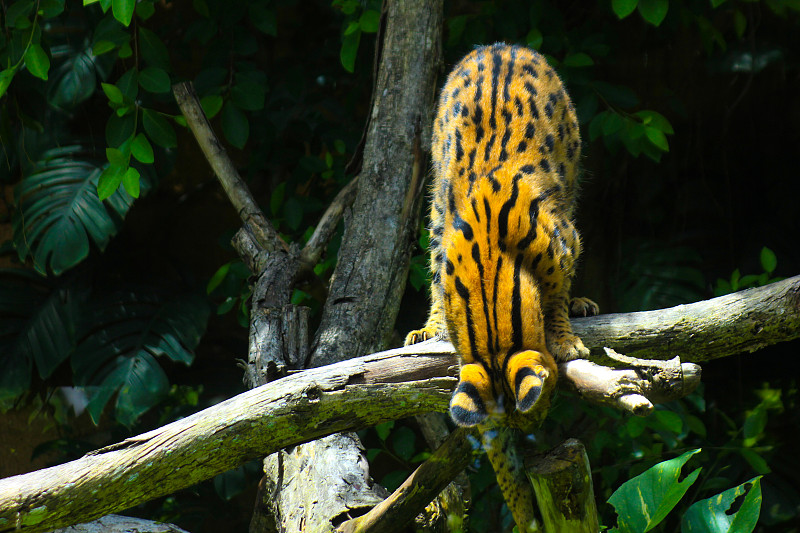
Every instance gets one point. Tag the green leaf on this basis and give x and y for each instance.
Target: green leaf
(217, 278)
(263, 18)
(158, 129)
(653, 11)
(17, 11)
(141, 149)
(657, 137)
(578, 60)
(248, 95)
(384, 429)
(739, 23)
(109, 180)
(369, 21)
(38, 325)
(655, 120)
(596, 125)
(153, 49)
(534, 38)
(455, 29)
(352, 27)
(768, 260)
(74, 80)
(235, 126)
(669, 420)
(154, 80)
(131, 182)
(617, 95)
(5, 79)
(711, 515)
(623, 8)
(36, 61)
(51, 8)
(755, 460)
(59, 211)
(612, 123)
(117, 157)
(145, 10)
(293, 212)
(101, 47)
(128, 84)
(755, 422)
(347, 55)
(403, 441)
(211, 105)
(122, 334)
(113, 93)
(123, 11)
(276, 198)
(643, 502)
(120, 128)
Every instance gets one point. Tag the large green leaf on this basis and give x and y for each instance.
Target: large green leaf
(58, 210)
(711, 515)
(642, 502)
(73, 78)
(121, 335)
(37, 325)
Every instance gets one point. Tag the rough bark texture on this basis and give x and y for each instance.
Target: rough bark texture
(306, 466)
(562, 481)
(735, 323)
(370, 275)
(261, 421)
(448, 512)
(379, 228)
(122, 524)
(398, 511)
(635, 388)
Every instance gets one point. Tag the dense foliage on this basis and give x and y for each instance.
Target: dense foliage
(116, 257)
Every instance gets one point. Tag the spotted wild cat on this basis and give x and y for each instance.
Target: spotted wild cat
(503, 245)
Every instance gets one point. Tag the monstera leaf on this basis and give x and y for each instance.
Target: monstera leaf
(58, 211)
(36, 327)
(122, 335)
(74, 75)
(715, 514)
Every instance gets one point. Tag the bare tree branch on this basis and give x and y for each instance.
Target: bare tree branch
(741, 322)
(235, 187)
(353, 394)
(428, 480)
(312, 251)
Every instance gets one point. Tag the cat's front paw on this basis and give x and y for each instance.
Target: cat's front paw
(419, 335)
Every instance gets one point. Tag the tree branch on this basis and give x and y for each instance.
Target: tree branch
(312, 251)
(345, 396)
(744, 321)
(428, 480)
(235, 187)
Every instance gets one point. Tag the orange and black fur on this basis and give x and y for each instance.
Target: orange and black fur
(503, 245)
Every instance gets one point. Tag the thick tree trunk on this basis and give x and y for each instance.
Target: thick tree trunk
(370, 276)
